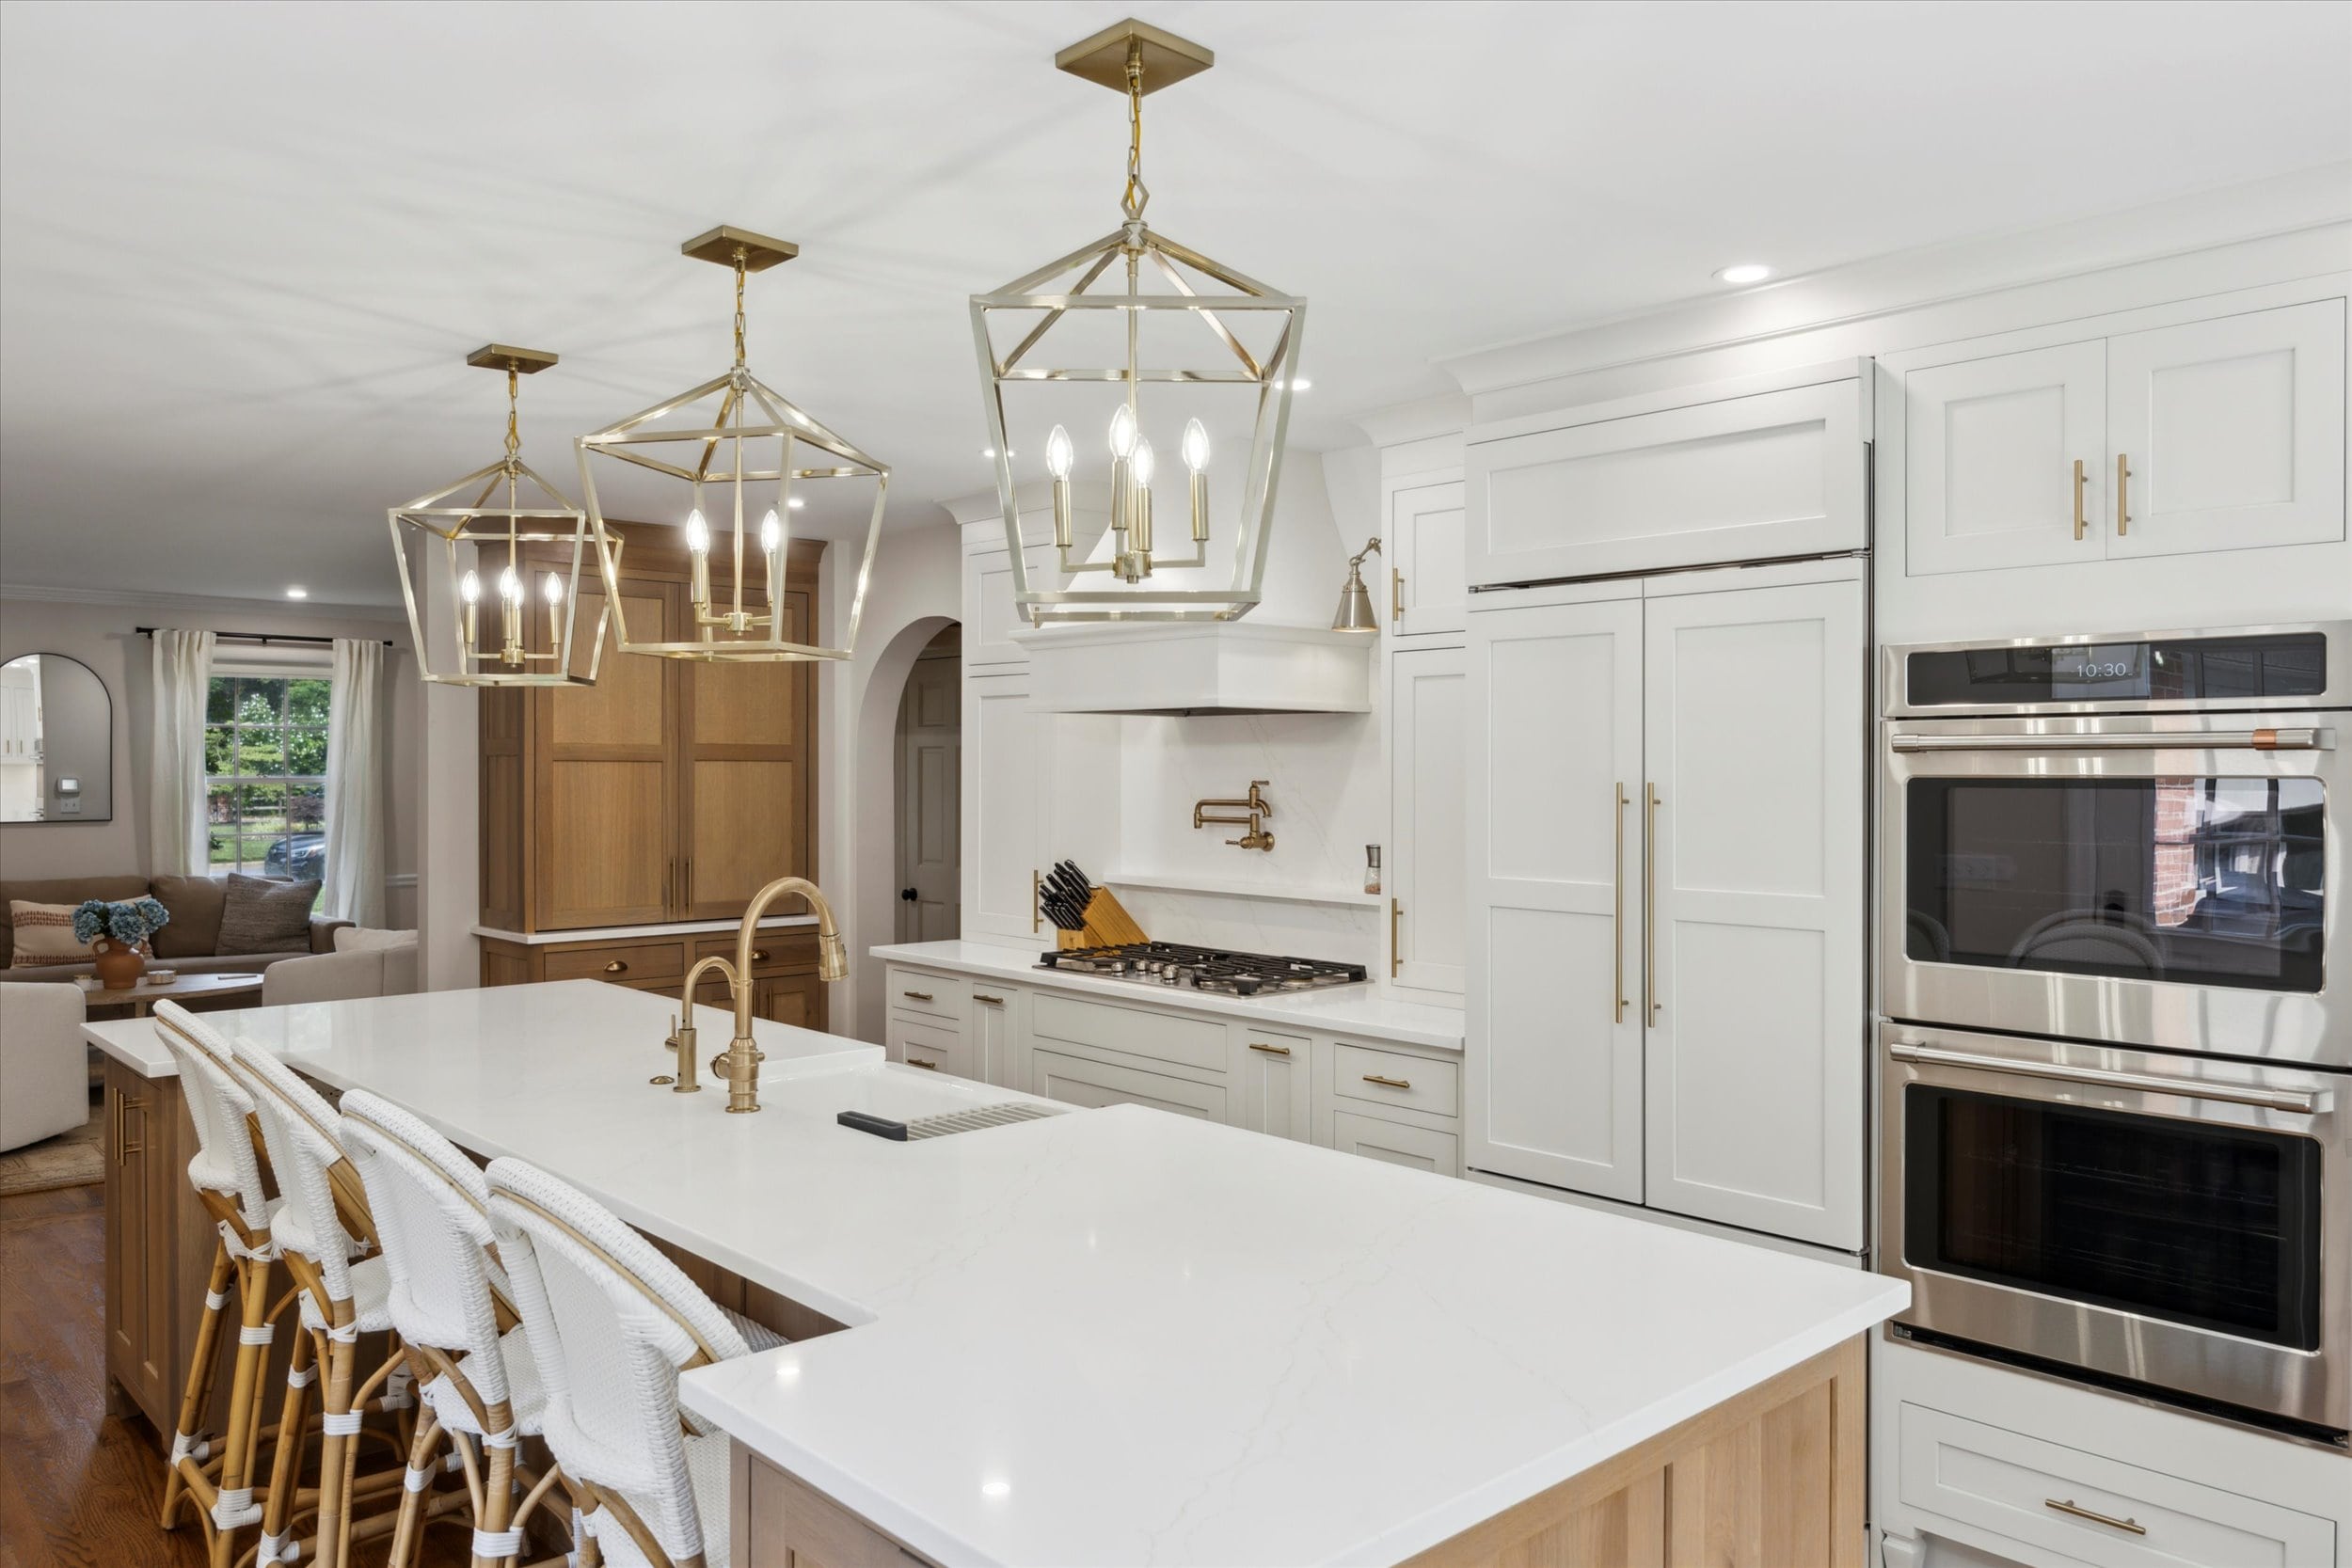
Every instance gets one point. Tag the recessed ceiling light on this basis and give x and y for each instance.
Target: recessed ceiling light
(797, 503)
(996, 1489)
(1744, 272)
(297, 592)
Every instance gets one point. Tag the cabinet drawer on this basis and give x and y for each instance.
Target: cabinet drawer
(1416, 1148)
(2041, 1494)
(922, 1044)
(772, 951)
(1391, 1078)
(1083, 1081)
(627, 965)
(1137, 1031)
(912, 990)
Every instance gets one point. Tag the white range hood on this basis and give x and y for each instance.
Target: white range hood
(1189, 667)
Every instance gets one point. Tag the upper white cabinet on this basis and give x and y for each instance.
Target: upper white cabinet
(1666, 812)
(1008, 748)
(2005, 456)
(1611, 490)
(2219, 434)
(1426, 842)
(2228, 434)
(990, 618)
(1428, 591)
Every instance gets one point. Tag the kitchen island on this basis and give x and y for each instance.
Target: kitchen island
(1121, 1337)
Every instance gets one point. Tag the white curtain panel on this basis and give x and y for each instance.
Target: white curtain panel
(181, 840)
(353, 888)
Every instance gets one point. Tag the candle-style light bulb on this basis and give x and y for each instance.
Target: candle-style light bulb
(1122, 447)
(509, 617)
(1196, 449)
(772, 533)
(551, 589)
(510, 586)
(697, 531)
(1122, 431)
(1059, 455)
(698, 565)
(469, 590)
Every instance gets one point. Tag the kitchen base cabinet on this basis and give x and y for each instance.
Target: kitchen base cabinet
(1396, 1143)
(1272, 1082)
(998, 1031)
(934, 1047)
(784, 987)
(781, 1521)
(1092, 1082)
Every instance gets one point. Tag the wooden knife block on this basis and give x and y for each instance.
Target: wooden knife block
(1108, 924)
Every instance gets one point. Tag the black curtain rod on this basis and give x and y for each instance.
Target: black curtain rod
(261, 636)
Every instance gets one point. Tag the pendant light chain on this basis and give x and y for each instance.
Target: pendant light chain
(1137, 195)
(739, 259)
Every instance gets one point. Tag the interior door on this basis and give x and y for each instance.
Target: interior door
(1427, 590)
(930, 774)
(1009, 772)
(2233, 431)
(1989, 449)
(1757, 1039)
(744, 786)
(1554, 755)
(605, 775)
(1426, 693)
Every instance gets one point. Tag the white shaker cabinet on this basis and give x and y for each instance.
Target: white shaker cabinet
(1554, 895)
(2005, 460)
(1755, 716)
(1423, 876)
(990, 614)
(2228, 434)
(998, 1032)
(1005, 807)
(1424, 544)
(1271, 1080)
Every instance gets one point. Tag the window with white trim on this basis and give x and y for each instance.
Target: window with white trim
(265, 772)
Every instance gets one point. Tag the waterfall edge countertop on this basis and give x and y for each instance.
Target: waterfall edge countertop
(1336, 1010)
(1101, 1337)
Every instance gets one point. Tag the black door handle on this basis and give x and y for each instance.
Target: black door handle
(907, 895)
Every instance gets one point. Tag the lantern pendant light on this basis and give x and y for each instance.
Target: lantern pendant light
(737, 467)
(1230, 347)
(489, 535)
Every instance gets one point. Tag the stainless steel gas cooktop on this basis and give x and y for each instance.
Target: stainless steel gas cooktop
(1169, 963)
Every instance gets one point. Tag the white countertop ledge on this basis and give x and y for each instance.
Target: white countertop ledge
(1356, 1009)
(1109, 1336)
(617, 934)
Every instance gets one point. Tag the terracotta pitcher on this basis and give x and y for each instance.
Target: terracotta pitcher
(119, 964)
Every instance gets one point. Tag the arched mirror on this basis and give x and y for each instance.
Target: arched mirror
(56, 741)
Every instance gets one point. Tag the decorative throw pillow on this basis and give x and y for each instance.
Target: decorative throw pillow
(265, 915)
(194, 903)
(44, 936)
(365, 939)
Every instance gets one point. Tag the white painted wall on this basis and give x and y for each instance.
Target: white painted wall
(102, 636)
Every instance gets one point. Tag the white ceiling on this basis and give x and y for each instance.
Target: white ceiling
(244, 247)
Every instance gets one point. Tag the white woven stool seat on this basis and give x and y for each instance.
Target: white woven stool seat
(527, 1395)
(370, 1293)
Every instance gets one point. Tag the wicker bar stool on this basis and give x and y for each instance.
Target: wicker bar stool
(226, 1174)
(612, 1323)
(477, 1377)
(321, 1228)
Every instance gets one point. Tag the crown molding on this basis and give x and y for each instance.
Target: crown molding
(2308, 202)
(1445, 414)
(131, 599)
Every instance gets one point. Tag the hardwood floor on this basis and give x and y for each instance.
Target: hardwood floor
(80, 1488)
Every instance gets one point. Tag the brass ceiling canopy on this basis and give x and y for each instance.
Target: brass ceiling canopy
(512, 507)
(738, 447)
(1051, 341)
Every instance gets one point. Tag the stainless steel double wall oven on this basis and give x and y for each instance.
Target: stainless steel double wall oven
(2114, 1066)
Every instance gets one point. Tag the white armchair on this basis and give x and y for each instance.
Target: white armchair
(339, 976)
(45, 1072)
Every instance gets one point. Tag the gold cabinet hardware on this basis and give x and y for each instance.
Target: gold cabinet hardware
(1397, 938)
(916, 995)
(2080, 480)
(759, 955)
(2123, 495)
(1388, 1082)
(124, 1105)
(616, 967)
(1616, 919)
(926, 1067)
(2070, 1508)
(1037, 901)
(114, 1122)
(1649, 907)
(1396, 594)
(992, 1001)
(687, 880)
(1271, 1049)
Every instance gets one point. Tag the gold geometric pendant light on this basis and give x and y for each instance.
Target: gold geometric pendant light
(483, 540)
(733, 450)
(1062, 348)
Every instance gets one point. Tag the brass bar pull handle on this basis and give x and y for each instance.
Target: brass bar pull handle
(1397, 938)
(126, 1147)
(689, 899)
(992, 1001)
(1396, 594)
(1035, 900)
(916, 995)
(616, 967)
(1649, 908)
(1271, 1049)
(2081, 479)
(2070, 1508)
(114, 1122)
(926, 1067)
(1616, 919)
(2123, 495)
(1388, 1082)
(2301, 1103)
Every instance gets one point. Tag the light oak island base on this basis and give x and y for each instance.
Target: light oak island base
(1771, 1478)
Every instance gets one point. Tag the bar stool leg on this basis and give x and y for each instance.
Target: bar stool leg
(286, 1466)
(408, 1532)
(233, 1507)
(340, 1427)
(198, 1393)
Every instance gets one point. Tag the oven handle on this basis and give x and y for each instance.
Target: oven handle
(2298, 1101)
(2166, 740)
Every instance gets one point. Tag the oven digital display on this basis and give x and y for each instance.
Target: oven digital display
(2250, 668)
(2100, 664)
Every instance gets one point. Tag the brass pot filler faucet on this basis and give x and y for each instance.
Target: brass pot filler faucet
(739, 1063)
(1256, 805)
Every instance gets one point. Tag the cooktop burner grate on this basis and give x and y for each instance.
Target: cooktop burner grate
(1175, 964)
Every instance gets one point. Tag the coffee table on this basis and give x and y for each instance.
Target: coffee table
(142, 997)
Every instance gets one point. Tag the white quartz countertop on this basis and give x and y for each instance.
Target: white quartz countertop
(1103, 1336)
(664, 928)
(1339, 1009)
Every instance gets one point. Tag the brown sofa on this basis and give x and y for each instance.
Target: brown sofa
(186, 944)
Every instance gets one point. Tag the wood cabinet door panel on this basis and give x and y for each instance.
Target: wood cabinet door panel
(746, 828)
(631, 704)
(604, 842)
(1758, 1040)
(1988, 452)
(744, 705)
